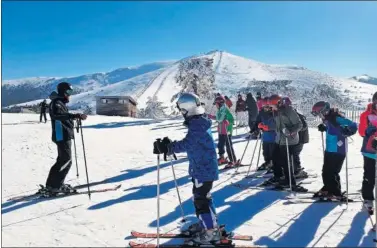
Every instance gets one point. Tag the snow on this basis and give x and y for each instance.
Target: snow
(119, 150)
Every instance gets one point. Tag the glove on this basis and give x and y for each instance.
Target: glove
(370, 130)
(374, 144)
(158, 147)
(322, 127)
(80, 116)
(346, 131)
(166, 143)
(263, 127)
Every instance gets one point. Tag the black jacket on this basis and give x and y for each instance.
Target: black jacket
(61, 119)
(304, 132)
(251, 107)
(43, 106)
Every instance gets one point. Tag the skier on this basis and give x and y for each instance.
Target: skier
(265, 122)
(62, 133)
(225, 129)
(251, 107)
(228, 102)
(203, 168)
(303, 134)
(368, 130)
(259, 101)
(43, 106)
(288, 124)
(241, 110)
(337, 129)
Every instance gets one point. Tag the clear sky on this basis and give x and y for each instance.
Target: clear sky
(74, 38)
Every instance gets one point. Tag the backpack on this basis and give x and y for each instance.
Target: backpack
(304, 132)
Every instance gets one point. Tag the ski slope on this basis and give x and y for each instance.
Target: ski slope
(119, 151)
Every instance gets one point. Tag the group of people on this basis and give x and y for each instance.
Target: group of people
(280, 126)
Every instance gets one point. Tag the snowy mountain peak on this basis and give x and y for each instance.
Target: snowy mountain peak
(365, 79)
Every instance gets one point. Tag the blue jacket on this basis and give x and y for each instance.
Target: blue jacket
(200, 148)
(267, 118)
(335, 140)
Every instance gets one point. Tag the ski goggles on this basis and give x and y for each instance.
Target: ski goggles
(69, 92)
(182, 110)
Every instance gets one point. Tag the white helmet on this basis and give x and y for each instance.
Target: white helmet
(189, 105)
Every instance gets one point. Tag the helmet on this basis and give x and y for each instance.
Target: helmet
(219, 100)
(320, 108)
(285, 101)
(64, 89)
(189, 104)
(374, 97)
(274, 99)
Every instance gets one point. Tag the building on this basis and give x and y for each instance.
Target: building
(116, 105)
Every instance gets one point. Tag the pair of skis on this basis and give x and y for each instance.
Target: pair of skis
(38, 195)
(225, 243)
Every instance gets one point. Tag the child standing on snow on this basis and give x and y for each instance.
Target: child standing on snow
(203, 168)
(337, 129)
(225, 128)
(368, 130)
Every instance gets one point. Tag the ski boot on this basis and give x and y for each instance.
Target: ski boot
(222, 160)
(205, 237)
(193, 229)
(301, 174)
(68, 189)
(321, 193)
(231, 165)
(368, 204)
(264, 166)
(48, 191)
(298, 188)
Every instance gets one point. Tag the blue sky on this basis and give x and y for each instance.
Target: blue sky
(74, 38)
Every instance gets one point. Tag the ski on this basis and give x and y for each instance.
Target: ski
(230, 236)
(39, 196)
(319, 200)
(233, 167)
(134, 244)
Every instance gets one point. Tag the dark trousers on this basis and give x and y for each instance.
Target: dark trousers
(284, 161)
(44, 115)
(204, 207)
(226, 140)
(276, 162)
(369, 178)
(268, 151)
(251, 123)
(60, 169)
(332, 165)
(296, 156)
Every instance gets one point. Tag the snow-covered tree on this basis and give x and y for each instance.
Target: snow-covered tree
(153, 109)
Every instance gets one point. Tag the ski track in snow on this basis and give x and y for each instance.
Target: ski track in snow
(119, 150)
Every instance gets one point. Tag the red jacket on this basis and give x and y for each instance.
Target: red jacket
(228, 103)
(364, 119)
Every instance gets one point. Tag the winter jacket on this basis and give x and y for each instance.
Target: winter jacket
(225, 117)
(228, 102)
(287, 119)
(240, 105)
(200, 148)
(364, 119)
(267, 119)
(370, 133)
(335, 140)
(303, 134)
(61, 119)
(260, 104)
(251, 107)
(43, 106)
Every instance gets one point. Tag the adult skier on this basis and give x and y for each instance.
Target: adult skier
(43, 107)
(252, 109)
(259, 101)
(241, 111)
(288, 124)
(203, 167)
(62, 133)
(338, 129)
(368, 130)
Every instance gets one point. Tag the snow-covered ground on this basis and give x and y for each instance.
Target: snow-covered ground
(119, 151)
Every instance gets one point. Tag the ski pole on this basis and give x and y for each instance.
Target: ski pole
(236, 123)
(289, 165)
(244, 151)
(74, 145)
(260, 146)
(83, 147)
(346, 140)
(158, 200)
(176, 187)
(323, 143)
(252, 157)
(230, 148)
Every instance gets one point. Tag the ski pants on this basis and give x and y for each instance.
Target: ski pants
(44, 115)
(369, 178)
(252, 121)
(204, 207)
(296, 157)
(268, 151)
(60, 169)
(283, 159)
(332, 165)
(226, 140)
(276, 162)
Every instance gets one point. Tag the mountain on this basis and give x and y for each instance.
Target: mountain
(365, 79)
(28, 89)
(220, 71)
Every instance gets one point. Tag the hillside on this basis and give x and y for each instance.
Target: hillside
(365, 79)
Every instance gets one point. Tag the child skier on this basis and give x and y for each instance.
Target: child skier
(203, 167)
(265, 122)
(225, 128)
(368, 130)
(337, 129)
